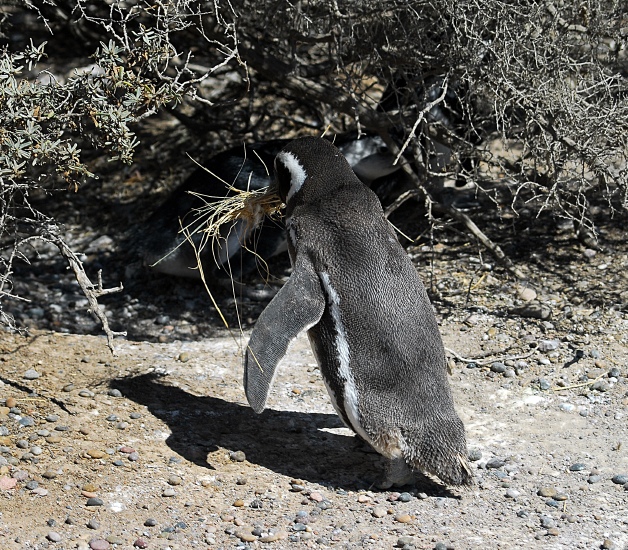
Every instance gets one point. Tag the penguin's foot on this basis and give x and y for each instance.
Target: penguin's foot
(397, 474)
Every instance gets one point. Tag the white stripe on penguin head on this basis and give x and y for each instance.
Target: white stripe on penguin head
(297, 172)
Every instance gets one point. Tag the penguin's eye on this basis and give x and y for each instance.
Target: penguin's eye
(283, 177)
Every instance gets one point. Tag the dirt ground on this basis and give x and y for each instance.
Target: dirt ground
(162, 435)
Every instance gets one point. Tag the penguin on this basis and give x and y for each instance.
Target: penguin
(163, 246)
(368, 318)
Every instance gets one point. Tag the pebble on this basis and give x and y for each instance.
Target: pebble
(27, 421)
(544, 384)
(31, 374)
(379, 512)
(150, 522)
(114, 393)
(405, 497)
(52, 418)
(87, 393)
(475, 455)
(512, 493)
(238, 503)
(53, 536)
(601, 386)
(403, 518)
(96, 453)
(547, 492)
(548, 345)
(99, 544)
(577, 467)
(237, 456)
(93, 524)
(140, 543)
(135, 415)
(31, 485)
(495, 463)
(594, 479)
(316, 496)
(405, 540)
(498, 367)
(134, 456)
(547, 522)
(94, 501)
(174, 480)
(168, 492)
(620, 479)
(126, 450)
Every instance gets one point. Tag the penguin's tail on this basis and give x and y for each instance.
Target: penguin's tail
(439, 449)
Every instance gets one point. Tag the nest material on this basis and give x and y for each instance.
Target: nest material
(249, 206)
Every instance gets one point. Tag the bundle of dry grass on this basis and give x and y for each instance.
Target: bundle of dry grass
(248, 206)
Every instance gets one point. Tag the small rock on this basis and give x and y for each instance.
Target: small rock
(53, 536)
(403, 518)
(547, 492)
(512, 493)
(150, 522)
(238, 503)
(31, 374)
(405, 541)
(601, 386)
(548, 345)
(526, 294)
(577, 467)
(620, 479)
(174, 480)
(316, 496)
(7, 483)
(498, 367)
(93, 524)
(237, 456)
(475, 455)
(134, 456)
(96, 453)
(168, 492)
(94, 501)
(114, 393)
(379, 512)
(547, 522)
(87, 393)
(99, 544)
(52, 418)
(495, 463)
(544, 384)
(405, 497)
(140, 543)
(594, 479)
(49, 474)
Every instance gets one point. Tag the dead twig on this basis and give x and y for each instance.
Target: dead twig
(91, 291)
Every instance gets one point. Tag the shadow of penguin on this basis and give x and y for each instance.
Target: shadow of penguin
(289, 443)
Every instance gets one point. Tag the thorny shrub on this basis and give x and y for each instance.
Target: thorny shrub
(527, 95)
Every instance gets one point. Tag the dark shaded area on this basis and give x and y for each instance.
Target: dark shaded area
(286, 442)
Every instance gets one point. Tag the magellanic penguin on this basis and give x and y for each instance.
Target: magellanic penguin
(368, 317)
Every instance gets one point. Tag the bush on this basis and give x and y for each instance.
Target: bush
(530, 96)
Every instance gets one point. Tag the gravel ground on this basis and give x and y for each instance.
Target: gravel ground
(157, 448)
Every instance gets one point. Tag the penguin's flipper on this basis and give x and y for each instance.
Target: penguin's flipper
(298, 306)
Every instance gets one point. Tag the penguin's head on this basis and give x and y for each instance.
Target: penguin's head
(309, 167)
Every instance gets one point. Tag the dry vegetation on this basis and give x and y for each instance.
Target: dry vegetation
(527, 101)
